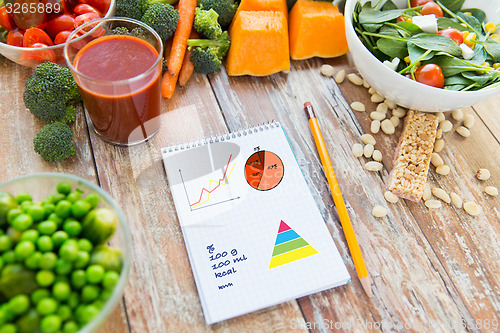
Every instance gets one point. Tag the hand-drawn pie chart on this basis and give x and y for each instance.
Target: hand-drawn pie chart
(264, 170)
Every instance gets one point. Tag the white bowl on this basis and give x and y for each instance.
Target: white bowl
(406, 92)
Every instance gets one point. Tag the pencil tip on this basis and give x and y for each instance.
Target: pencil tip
(306, 104)
(365, 282)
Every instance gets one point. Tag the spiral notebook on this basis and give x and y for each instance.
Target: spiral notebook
(253, 233)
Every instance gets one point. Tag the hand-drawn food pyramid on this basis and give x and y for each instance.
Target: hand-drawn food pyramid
(289, 246)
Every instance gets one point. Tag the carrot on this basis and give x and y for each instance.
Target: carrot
(187, 68)
(179, 46)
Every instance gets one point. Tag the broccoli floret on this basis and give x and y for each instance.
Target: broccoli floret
(164, 65)
(54, 143)
(162, 18)
(51, 93)
(225, 8)
(207, 54)
(206, 24)
(130, 8)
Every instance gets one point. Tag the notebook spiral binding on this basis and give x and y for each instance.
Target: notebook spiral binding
(222, 137)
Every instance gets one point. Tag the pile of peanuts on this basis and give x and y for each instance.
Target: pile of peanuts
(381, 120)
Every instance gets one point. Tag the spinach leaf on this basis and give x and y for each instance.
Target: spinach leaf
(451, 65)
(477, 13)
(457, 80)
(371, 27)
(493, 49)
(389, 5)
(473, 22)
(392, 48)
(436, 43)
(370, 15)
(445, 23)
(455, 87)
(479, 55)
(408, 26)
(416, 52)
(481, 79)
(453, 5)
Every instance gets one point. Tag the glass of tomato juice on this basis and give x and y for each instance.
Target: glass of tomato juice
(117, 65)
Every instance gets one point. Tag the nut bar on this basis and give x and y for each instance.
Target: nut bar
(413, 155)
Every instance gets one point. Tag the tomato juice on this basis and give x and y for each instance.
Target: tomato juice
(119, 79)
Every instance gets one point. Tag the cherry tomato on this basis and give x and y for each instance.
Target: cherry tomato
(84, 18)
(33, 58)
(61, 23)
(61, 37)
(15, 38)
(4, 19)
(84, 8)
(403, 18)
(416, 3)
(101, 5)
(455, 34)
(25, 17)
(431, 75)
(35, 35)
(432, 8)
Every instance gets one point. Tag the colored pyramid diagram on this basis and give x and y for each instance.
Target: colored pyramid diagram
(289, 247)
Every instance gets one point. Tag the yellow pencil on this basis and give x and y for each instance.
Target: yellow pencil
(352, 242)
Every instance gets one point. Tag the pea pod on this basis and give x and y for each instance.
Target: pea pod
(7, 202)
(99, 225)
(108, 257)
(16, 279)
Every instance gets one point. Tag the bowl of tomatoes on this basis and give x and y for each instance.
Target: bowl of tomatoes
(427, 55)
(34, 31)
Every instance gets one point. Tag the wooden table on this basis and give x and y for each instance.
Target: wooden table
(432, 270)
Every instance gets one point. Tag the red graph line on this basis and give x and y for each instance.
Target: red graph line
(220, 180)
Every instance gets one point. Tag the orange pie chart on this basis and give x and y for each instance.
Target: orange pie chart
(264, 170)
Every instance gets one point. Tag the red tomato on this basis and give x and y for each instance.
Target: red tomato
(416, 3)
(403, 18)
(4, 19)
(432, 8)
(60, 23)
(84, 18)
(101, 5)
(62, 37)
(84, 8)
(35, 35)
(15, 38)
(33, 58)
(454, 34)
(430, 75)
(25, 16)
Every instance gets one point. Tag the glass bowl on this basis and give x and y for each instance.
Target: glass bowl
(40, 185)
(406, 92)
(30, 57)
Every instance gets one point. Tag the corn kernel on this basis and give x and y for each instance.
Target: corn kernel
(467, 13)
(490, 27)
(496, 65)
(465, 34)
(407, 59)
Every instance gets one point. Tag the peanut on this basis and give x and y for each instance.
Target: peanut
(366, 84)
(373, 166)
(357, 150)
(436, 160)
(327, 70)
(463, 131)
(438, 145)
(491, 190)
(390, 104)
(375, 126)
(427, 192)
(472, 208)
(441, 194)
(443, 170)
(377, 98)
(368, 150)
(440, 116)
(457, 114)
(483, 174)
(446, 126)
(377, 115)
(469, 121)
(339, 78)
(379, 211)
(391, 197)
(433, 204)
(355, 79)
(377, 155)
(439, 133)
(456, 200)
(382, 108)
(368, 139)
(372, 91)
(358, 106)
(387, 127)
(399, 112)
(395, 121)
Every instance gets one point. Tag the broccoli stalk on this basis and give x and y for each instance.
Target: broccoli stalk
(225, 8)
(51, 93)
(162, 18)
(207, 54)
(54, 143)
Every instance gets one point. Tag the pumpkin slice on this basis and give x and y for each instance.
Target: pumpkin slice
(267, 5)
(259, 44)
(316, 30)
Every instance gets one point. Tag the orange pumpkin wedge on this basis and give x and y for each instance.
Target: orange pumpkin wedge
(316, 29)
(259, 44)
(267, 5)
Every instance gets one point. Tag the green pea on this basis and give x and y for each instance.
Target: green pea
(6, 314)
(82, 260)
(63, 209)
(19, 304)
(47, 306)
(106, 295)
(25, 205)
(39, 294)
(64, 188)
(80, 208)
(30, 235)
(48, 200)
(48, 261)
(64, 312)
(22, 197)
(63, 267)
(69, 250)
(85, 245)
(88, 312)
(48, 208)
(92, 199)
(1, 264)
(8, 328)
(94, 274)
(22, 222)
(33, 261)
(110, 279)
(62, 278)
(72, 227)
(50, 324)
(59, 237)
(12, 213)
(90, 293)
(36, 212)
(70, 327)
(73, 300)
(78, 278)
(47, 227)
(24, 249)
(58, 197)
(5, 243)
(9, 257)
(75, 195)
(45, 278)
(61, 291)
(54, 217)
(44, 243)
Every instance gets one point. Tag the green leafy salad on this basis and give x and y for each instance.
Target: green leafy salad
(437, 43)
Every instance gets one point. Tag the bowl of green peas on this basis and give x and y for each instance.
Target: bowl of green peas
(65, 253)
